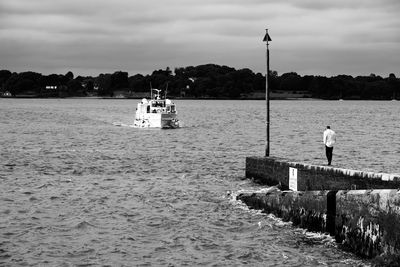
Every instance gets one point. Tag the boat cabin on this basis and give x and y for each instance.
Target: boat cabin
(156, 106)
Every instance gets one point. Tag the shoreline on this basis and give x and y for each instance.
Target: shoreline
(193, 98)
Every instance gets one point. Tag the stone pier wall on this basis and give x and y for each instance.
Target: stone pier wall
(366, 222)
(360, 209)
(274, 171)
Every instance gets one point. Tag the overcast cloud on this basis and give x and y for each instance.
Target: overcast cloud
(89, 37)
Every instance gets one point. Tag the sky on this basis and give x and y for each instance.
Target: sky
(310, 37)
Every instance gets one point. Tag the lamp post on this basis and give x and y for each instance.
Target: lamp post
(266, 39)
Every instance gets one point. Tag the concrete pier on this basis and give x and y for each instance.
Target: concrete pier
(323, 199)
(274, 171)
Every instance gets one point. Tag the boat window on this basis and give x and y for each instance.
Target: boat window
(148, 109)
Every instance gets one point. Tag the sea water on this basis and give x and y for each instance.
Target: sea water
(77, 190)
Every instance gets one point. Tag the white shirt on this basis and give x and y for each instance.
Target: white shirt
(329, 137)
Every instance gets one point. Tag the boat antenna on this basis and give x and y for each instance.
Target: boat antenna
(166, 90)
(151, 91)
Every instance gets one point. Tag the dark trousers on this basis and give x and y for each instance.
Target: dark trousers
(328, 151)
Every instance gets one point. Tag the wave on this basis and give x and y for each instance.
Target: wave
(84, 225)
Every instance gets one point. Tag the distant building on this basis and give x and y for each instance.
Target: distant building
(6, 94)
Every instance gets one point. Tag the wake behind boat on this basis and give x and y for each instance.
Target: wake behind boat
(156, 112)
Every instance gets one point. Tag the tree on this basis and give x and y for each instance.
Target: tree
(201, 86)
(394, 85)
(69, 75)
(24, 82)
(75, 88)
(104, 83)
(4, 76)
(137, 83)
(290, 82)
(89, 84)
(208, 80)
(119, 81)
(160, 78)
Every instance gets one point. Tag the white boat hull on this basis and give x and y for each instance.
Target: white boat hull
(157, 120)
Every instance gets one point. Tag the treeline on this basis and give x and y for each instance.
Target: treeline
(203, 81)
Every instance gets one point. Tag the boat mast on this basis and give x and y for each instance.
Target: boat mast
(166, 90)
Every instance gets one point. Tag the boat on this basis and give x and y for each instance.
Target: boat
(156, 112)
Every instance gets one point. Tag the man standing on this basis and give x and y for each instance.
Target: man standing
(329, 141)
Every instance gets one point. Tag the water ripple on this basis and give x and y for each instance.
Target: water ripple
(78, 191)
